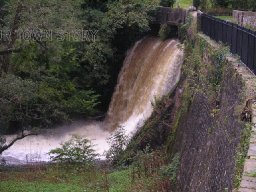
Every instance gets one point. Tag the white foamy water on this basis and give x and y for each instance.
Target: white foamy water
(151, 69)
(36, 148)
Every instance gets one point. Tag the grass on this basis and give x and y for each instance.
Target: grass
(252, 174)
(226, 18)
(241, 154)
(56, 179)
(120, 181)
(149, 172)
(183, 3)
(18, 186)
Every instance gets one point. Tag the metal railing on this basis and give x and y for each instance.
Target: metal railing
(242, 41)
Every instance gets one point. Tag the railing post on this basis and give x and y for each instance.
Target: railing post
(254, 53)
(239, 41)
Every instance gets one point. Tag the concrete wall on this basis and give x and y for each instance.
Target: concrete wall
(167, 15)
(245, 18)
(210, 131)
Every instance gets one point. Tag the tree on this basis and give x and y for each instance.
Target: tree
(240, 4)
(76, 150)
(205, 4)
(72, 78)
(167, 3)
(223, 3)
(17, 97)
(252, 5)
(25, 16)
(196, 3)
(4, 145)
(52, 64)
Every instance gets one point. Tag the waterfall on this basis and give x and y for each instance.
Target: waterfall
(151, 69)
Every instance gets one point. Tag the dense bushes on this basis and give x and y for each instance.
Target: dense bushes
(244, 4)
(196, 3)
(17, 98)
(167, 3)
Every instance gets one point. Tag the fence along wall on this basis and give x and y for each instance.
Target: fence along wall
(242, 41)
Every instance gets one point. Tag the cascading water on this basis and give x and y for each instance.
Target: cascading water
(151, 69)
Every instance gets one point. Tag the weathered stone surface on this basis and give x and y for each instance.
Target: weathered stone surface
(246, 190)
(248, 183)
(245, 18)
(208, 143)
(252, 150)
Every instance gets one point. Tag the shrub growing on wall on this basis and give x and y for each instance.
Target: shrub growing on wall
(164, 31)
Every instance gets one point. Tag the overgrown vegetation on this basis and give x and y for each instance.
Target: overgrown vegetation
(118, 142)
(149, 172)
(204, 70)
(224, 5)
(183, 3)
(241, 154)
(164, 31)
(167, 3)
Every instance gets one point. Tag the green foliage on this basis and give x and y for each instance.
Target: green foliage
(184, 29)
(164, 31)
(241, 154)
(252, 174)
(171, 169)
(118, 142)
(185, 4)
(73, 78)
(148, 162)
(17, 98)
(252, 5)
(120, 181)
(196, 3)
(45, 14)
(14, 186)
(76, 150)
(219, 58)
(167, 3)
(206, 4)
(235, 4)
(222, 3)
(240, 4)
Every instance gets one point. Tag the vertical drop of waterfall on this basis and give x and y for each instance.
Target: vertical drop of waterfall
(151, 69)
